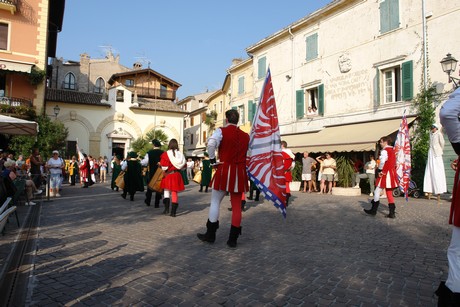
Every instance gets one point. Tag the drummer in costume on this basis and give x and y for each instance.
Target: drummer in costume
(152, 159)
(230, 176)
(449, 291)
(172, 161)
(387, 178)
(133, 176)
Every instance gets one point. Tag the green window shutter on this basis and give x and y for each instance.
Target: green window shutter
(407, 81)
(251, 110)
(377, 87)
(299, 103)
(321, 99)
(261, 67)
(393, 14)
(384, 16)
(312, 47)
(240, 85)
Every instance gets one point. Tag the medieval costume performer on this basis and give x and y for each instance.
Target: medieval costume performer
(116, 169)
(85, 171)
(152, 160)
(288, 161)
(387, 178)
(133, 176)
(230, 176)
(206, 173)
(434, 181)
(449, 291)
(172, 162)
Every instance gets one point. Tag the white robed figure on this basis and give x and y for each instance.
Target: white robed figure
(435, 177)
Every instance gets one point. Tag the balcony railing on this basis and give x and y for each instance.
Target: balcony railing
(8, 5)
(154, 93)
(15, 102)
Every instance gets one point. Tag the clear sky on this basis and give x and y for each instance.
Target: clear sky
(191, 42)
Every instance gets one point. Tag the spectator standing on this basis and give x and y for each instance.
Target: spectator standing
(55, 165)
(369, 168)
(35, 167)
(73, 170)
(190, 166)
(434, 181)
(102, 170)
(327, 174)
(307, 164)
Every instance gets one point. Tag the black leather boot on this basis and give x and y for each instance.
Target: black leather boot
(447, 298)
(157, 200)
(210, 235)
(124, 194)
(373, 210)
(288, 195)
(392, 208)
(257, 195)
(233, 237)
(166, 203)
(174, 209)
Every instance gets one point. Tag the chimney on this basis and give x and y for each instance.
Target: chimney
(137, 65)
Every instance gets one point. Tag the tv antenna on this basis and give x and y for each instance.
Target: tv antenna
(108, 50)
(143, 60)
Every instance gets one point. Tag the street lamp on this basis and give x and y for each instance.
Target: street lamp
(449, 63)
(56, 110)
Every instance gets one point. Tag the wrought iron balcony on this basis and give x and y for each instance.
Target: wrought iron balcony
(9, 5)
(15, 102)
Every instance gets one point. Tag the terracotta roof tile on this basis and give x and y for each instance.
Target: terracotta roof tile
(68, 96)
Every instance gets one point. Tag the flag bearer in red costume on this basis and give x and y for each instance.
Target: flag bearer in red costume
(230, 176)
(449, 291)
(387, 178)
(288, 161)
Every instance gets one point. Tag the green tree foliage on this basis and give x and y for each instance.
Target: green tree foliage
(52, 135)
(143, 144)
(210, 120)
(424, 105)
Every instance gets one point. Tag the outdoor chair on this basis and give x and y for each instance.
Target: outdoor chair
(4, 218)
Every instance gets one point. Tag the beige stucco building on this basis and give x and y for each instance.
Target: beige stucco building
(344, 75)
(105, 116)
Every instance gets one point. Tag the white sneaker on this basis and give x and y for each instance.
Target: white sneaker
(356, 186)
(38, 192)
(30, 203)
(58, 195)
(371, 194)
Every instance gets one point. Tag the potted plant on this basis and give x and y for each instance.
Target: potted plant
(345, 173)
(296, 177)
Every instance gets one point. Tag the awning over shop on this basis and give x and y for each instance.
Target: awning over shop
(344, 138)
(17, 126)
(15, 66)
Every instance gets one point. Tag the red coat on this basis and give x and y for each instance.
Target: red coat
(231, 174)
(173, 179)
(287, 162)
(389, 180)
(84, 170)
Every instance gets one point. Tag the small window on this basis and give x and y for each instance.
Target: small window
(204, 137)
(120, 95)
(242, 120)
(312, 47)
(191, 139)
(69, 81)
(240, 85)
(99, 87)
(3, 36)
(192, 122)
(391, 84)
(261, 67)
(129, 82)
(163, 91)
(311, 96)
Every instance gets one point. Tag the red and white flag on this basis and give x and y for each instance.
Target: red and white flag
(264, 160)
(403, 158)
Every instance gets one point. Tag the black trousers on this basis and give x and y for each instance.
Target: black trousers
(148, 197)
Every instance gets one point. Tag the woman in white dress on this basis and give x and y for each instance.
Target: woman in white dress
(435, 177)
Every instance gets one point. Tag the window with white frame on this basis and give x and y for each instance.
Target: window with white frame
(69, 81)
(311, 99)
(395, 83)
(4, 30)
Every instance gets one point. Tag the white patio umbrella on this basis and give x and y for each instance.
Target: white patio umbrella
(17, 126)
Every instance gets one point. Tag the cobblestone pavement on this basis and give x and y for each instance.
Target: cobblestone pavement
(95, 248)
